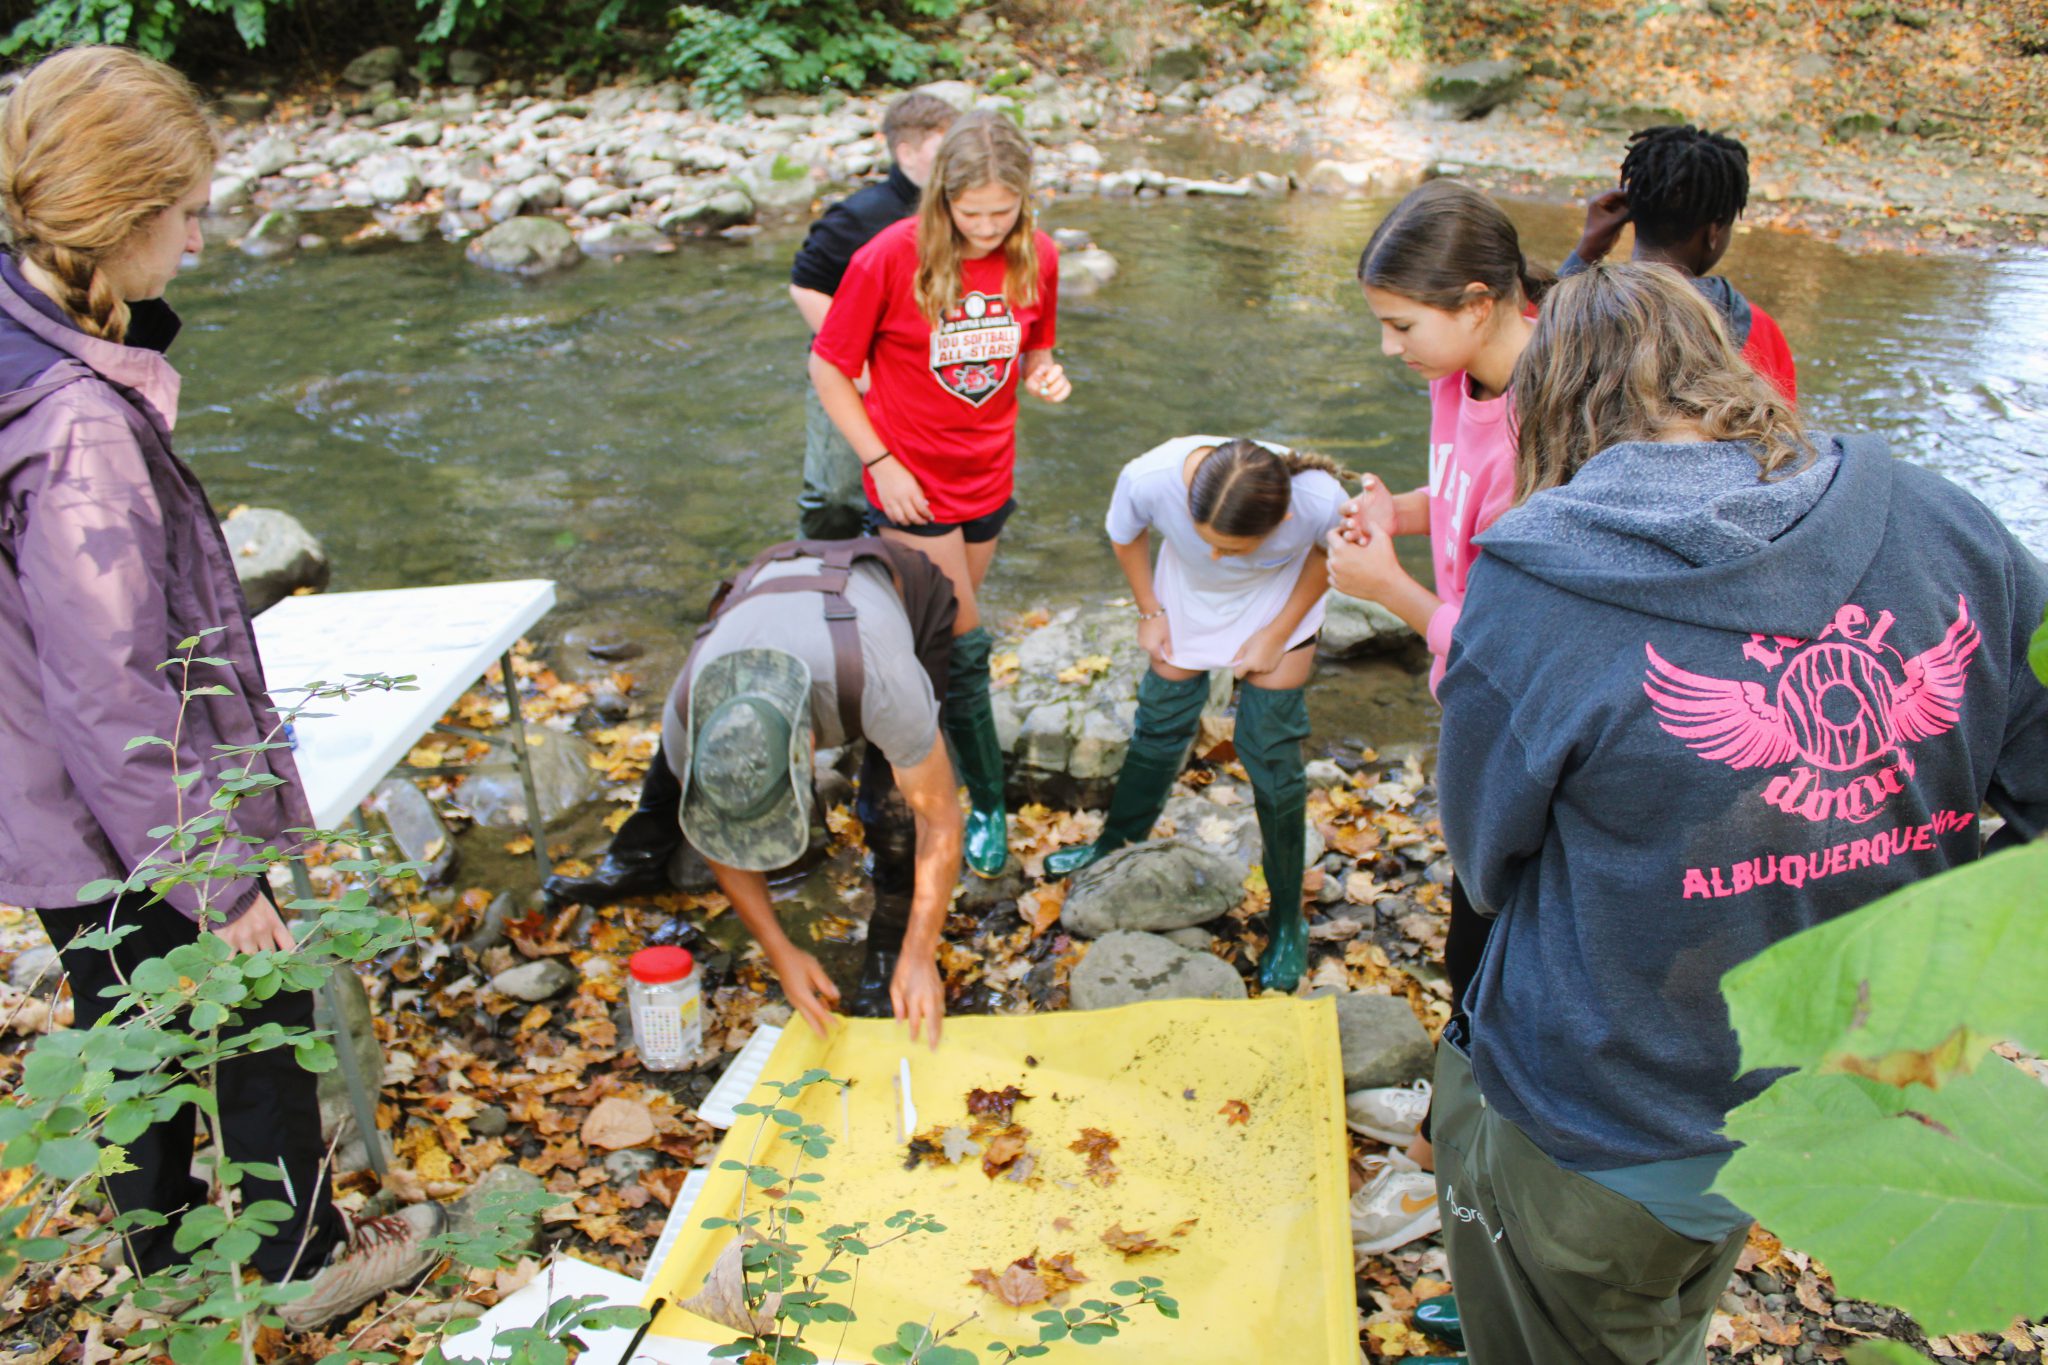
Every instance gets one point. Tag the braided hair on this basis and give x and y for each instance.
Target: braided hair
(94, 142)
(1241, 488)
(1680, 179)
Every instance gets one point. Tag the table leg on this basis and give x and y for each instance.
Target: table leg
(536, 821)
(328, 1002)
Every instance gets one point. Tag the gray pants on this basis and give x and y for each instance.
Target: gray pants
(1553, 1268)
(833, 505)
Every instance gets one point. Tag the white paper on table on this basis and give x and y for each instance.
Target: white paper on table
(566, 1277)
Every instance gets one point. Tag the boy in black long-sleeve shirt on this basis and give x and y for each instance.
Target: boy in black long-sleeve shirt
(832, 505)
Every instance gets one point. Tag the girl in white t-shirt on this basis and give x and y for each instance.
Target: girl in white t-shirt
(1239, 584)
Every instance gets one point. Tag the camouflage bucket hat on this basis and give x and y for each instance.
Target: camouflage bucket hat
(747, 780)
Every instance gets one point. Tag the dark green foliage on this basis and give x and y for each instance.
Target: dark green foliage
(805, 45)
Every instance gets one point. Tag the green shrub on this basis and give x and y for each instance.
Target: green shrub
(802, 45)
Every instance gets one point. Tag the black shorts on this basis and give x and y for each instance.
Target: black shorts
(979, 531)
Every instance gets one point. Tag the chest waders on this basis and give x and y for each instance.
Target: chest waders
(1271, 725)
(971, 725)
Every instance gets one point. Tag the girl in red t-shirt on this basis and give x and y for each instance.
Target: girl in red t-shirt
(950, 312)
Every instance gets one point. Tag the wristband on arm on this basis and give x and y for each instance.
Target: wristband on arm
(870, 464)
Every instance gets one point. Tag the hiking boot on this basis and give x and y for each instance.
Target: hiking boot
(379, 1254)
(1389, 1114)
(1396, 1206)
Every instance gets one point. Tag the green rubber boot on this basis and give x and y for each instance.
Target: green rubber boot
(1169, 715)
(1271, 724)
(971, 726)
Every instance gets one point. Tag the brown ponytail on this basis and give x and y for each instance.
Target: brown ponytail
(94, 142)
(1243, 489)
(1443, 238)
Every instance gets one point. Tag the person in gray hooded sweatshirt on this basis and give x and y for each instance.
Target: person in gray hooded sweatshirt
(1716, 681)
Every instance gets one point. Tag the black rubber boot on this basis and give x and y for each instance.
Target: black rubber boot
(1271, 725)
(971, 726)
(1169, 716)
(637, 862)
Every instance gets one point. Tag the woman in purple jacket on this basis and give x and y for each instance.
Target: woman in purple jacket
(109, 556)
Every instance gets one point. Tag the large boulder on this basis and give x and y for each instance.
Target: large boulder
(1125, 969)
(1230, 832)
(468, 68)
(274, 555)
(727, 205)
(1381, 1040)
(624, 237)
(483, 1208)
(1152, 886)
(1471, 88)
(526, 246)
(1066, 739)
(778, 184)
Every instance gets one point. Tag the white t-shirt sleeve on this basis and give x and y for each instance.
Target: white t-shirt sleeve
(1326, 497)
(1128, 517)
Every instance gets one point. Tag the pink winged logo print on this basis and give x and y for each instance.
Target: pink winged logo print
(1840, 703)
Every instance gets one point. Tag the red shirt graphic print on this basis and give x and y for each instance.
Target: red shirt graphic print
(1844, 707)
(943, 399)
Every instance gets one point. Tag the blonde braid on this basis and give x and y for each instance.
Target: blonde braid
(95, 142)
(1301, 461)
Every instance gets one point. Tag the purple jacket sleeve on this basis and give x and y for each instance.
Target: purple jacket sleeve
(91, 569)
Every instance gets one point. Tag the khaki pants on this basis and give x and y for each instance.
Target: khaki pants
(1551, 1267)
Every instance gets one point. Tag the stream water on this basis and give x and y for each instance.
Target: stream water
(635, 430)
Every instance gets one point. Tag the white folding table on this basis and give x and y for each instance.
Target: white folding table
(444, 639)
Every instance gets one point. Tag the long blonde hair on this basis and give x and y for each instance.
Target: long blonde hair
(982, 148)
(94, 142)
(1626, 353)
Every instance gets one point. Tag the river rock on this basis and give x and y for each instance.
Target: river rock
(1375, 176)
(611, 205)
(1470, 89)
(246, 106)
(526, 246)
(1230, 832)
(1163, 884)
(1381, 1040)
(394, 181)
(228, 193)
(1241, 99)
(541, 192)
(1356, 629)
(1058, 754)
(1085, 271)
(959, 94)
(468, 68)
(491, 932)
(416, 827)
(624, 237)
(1171, 66)
(483, 1208)
(270, 155)
(533, 982)
(1124, 969)
(373, 68)
(505, 204)
(561, 774)
(36, 968)
(713, 212)
(274, 554)
(778, 184)
(582, 190)
(276, 233)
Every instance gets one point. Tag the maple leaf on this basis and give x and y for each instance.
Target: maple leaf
(1020, 1285)
(1236, 1111)
(995, 1104)
(1096, 1145)
(1003, 1150)
(1134, 1242)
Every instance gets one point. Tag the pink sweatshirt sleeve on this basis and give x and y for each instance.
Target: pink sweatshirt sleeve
(1442, 622)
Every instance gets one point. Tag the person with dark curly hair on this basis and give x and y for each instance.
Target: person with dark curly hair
(1682, 188)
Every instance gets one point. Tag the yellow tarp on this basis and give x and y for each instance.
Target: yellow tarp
(1264, 1274)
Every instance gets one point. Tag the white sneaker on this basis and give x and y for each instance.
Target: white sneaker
(1390, 1114)
(1396, 1205)
(380, 1254)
